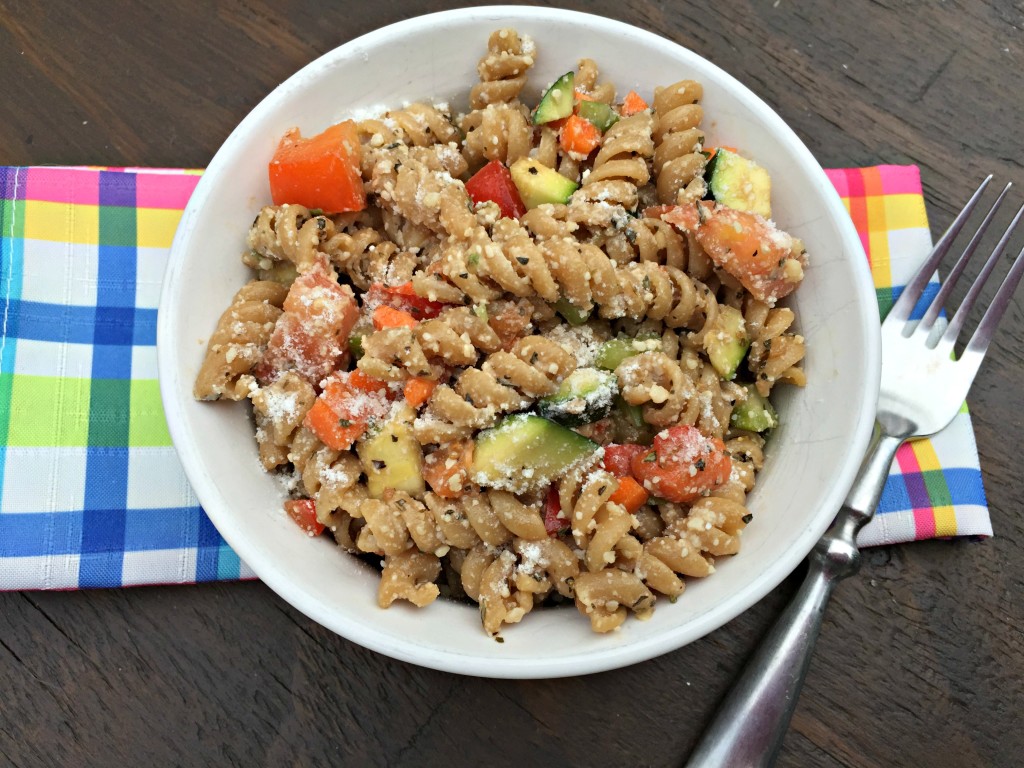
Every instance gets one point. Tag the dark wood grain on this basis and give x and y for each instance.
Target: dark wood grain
(921, 661)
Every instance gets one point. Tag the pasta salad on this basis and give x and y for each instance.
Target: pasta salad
(517, 355)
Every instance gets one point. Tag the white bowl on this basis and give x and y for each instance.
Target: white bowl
(812, 457)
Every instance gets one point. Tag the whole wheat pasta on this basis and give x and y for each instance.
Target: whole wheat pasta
(517, 409)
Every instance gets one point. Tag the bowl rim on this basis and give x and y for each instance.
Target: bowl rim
(614, 656)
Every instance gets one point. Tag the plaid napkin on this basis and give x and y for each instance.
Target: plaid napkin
(91, 492)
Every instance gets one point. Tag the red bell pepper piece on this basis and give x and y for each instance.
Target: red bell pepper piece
(303, 512)
(494, 182)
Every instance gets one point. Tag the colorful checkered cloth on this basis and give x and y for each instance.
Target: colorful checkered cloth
(91, 492)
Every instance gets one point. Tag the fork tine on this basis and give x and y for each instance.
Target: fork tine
(953, 330)
(946, 288)
(905, 304)
(986, 329)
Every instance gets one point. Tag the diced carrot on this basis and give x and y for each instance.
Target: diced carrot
(334, 432)
(579, 136)
(446, 470)
(342, 413)
(629, 494)
(387, 317)
(632, 104)
(358, 380)
(402, 297)
(303, 512)
(319, 172)
(712, 151)
(418, 390)
(583, 96)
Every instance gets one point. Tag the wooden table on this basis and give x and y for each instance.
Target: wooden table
(921, 662)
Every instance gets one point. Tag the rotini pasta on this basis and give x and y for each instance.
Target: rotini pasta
(564, 405)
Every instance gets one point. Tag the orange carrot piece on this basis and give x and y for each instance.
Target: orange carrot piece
(334, 432)
(418, 390)
(632, 104)
(360, 381)
(712, 151)
(579, 136)
(387, 317)
(319, 172)
(629, 494)
(583, 96)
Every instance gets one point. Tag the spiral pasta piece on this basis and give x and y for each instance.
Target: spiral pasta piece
(678, 162)
(586, 81)
(499, 132)
(506, 381)
(513, 261)
(423, 187)
(774, 355)
(657, 382)
(239, 341)
(287, 233)
(454, 338)
(340, 497)
(606, 597)
(279, 409)
(620, 168)
(503, 68)
(409, 575)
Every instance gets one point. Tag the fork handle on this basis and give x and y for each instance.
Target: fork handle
(751, 722)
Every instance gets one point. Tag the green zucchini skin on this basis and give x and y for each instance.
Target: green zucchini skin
(584, 397)
(527, 452)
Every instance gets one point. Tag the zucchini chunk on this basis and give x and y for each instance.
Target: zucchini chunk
(526, 452)
(538, 184)
(739, 183)
(754, 413)
(585, 396)
(557, 101)
(601, 115)
(572, 314)
(611, 354)
(393, 457)
(726, 341)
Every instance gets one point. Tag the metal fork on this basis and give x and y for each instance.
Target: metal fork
(922, 390)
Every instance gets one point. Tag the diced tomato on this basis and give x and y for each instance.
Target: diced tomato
(553, 523)
(388, 317)
(629, 494)
(446, 470)
(418, 391)
(618, 458)
(404, 298)
(682, 465)
(319, 172)
(751, 249)
(311, 336)
(494, 182)
(345, 408)
(303, 512)
(632, 104)
(510, 320)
